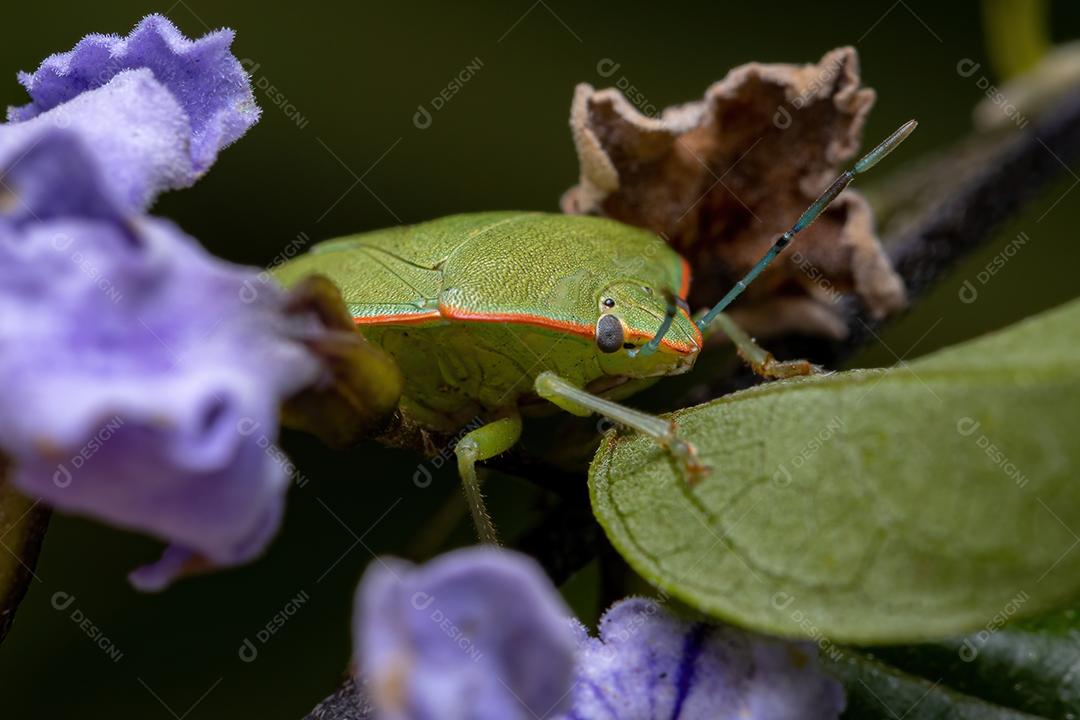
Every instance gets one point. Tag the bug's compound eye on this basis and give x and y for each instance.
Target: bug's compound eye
(608, 302)
(609, 333)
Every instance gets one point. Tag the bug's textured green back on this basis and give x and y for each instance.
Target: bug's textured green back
(491, 264)
(473, 307)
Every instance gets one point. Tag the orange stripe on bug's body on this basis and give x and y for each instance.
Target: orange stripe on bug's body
(586, 331)
(684, 291)
(453, 313)
(447, 312)
(684, 288)
(401, 319)
(698, 337)
(679, 347)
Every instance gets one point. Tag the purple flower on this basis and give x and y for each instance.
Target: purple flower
(477, 634)
(481, 633)
(647, 664)
(141, 377)
(154, 108)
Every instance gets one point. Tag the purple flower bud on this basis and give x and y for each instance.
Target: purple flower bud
(477, 634)
(154, 107)
(647, 664)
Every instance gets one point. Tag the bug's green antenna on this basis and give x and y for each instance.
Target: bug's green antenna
(811, 214)
(669, 317)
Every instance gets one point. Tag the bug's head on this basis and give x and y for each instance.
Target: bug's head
(642, 331)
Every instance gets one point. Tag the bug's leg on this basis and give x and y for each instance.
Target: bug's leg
(482, 443)
(574, 400)
(760, 360)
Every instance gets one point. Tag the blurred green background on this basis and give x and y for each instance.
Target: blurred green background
(337, 152)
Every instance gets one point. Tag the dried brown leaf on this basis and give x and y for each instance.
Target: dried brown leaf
(722, 177)
(363, 384)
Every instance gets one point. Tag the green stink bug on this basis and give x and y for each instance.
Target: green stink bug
(485, 314)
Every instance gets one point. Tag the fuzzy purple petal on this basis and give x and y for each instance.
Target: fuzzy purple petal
(477, 634)
(647, 664)
(159, 130)
(47, 174)
(132, 126)
(141, 376)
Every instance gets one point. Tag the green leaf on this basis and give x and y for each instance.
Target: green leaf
(1032, 666)
(874, 506)
(876, 690)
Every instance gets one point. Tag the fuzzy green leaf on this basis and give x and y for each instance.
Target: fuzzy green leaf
(870, 506)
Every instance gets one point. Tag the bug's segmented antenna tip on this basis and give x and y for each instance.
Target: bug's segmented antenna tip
(885, 147)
